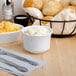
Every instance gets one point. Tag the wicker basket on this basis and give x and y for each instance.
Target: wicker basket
(63, 24)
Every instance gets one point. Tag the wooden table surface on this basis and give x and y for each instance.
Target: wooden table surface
(61, 58)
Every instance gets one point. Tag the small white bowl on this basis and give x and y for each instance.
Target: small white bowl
(36, 44)
(10, 36)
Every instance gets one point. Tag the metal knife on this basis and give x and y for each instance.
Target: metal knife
(33, 63)
(20, 68)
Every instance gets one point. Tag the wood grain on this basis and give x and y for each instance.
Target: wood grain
(61, 58)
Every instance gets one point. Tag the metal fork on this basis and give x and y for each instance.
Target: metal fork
(20, 68)
(33, 63)
(12, 72)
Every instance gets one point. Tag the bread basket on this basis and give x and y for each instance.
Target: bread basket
(61, 29)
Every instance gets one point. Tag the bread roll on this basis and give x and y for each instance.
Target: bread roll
(65, 2)
(46, 18)
(34, 12)
(69, 13)
(44, 1)
(73, 2)
(33, 3)
(71, 7)
(51, 8)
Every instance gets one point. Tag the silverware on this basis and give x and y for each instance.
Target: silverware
(19, 58)
(20, 68)
(12, 72)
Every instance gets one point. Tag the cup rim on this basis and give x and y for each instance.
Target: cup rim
(51, 31)
(15, 17)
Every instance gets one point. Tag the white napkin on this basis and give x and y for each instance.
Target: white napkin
(66, 15)
(14, 70)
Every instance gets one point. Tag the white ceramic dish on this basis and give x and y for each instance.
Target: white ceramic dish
(10, 36)
(36, 44)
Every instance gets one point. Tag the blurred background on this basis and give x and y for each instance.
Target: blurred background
(17, 7)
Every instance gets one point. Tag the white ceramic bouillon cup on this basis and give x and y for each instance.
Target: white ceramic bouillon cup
(36, 44)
